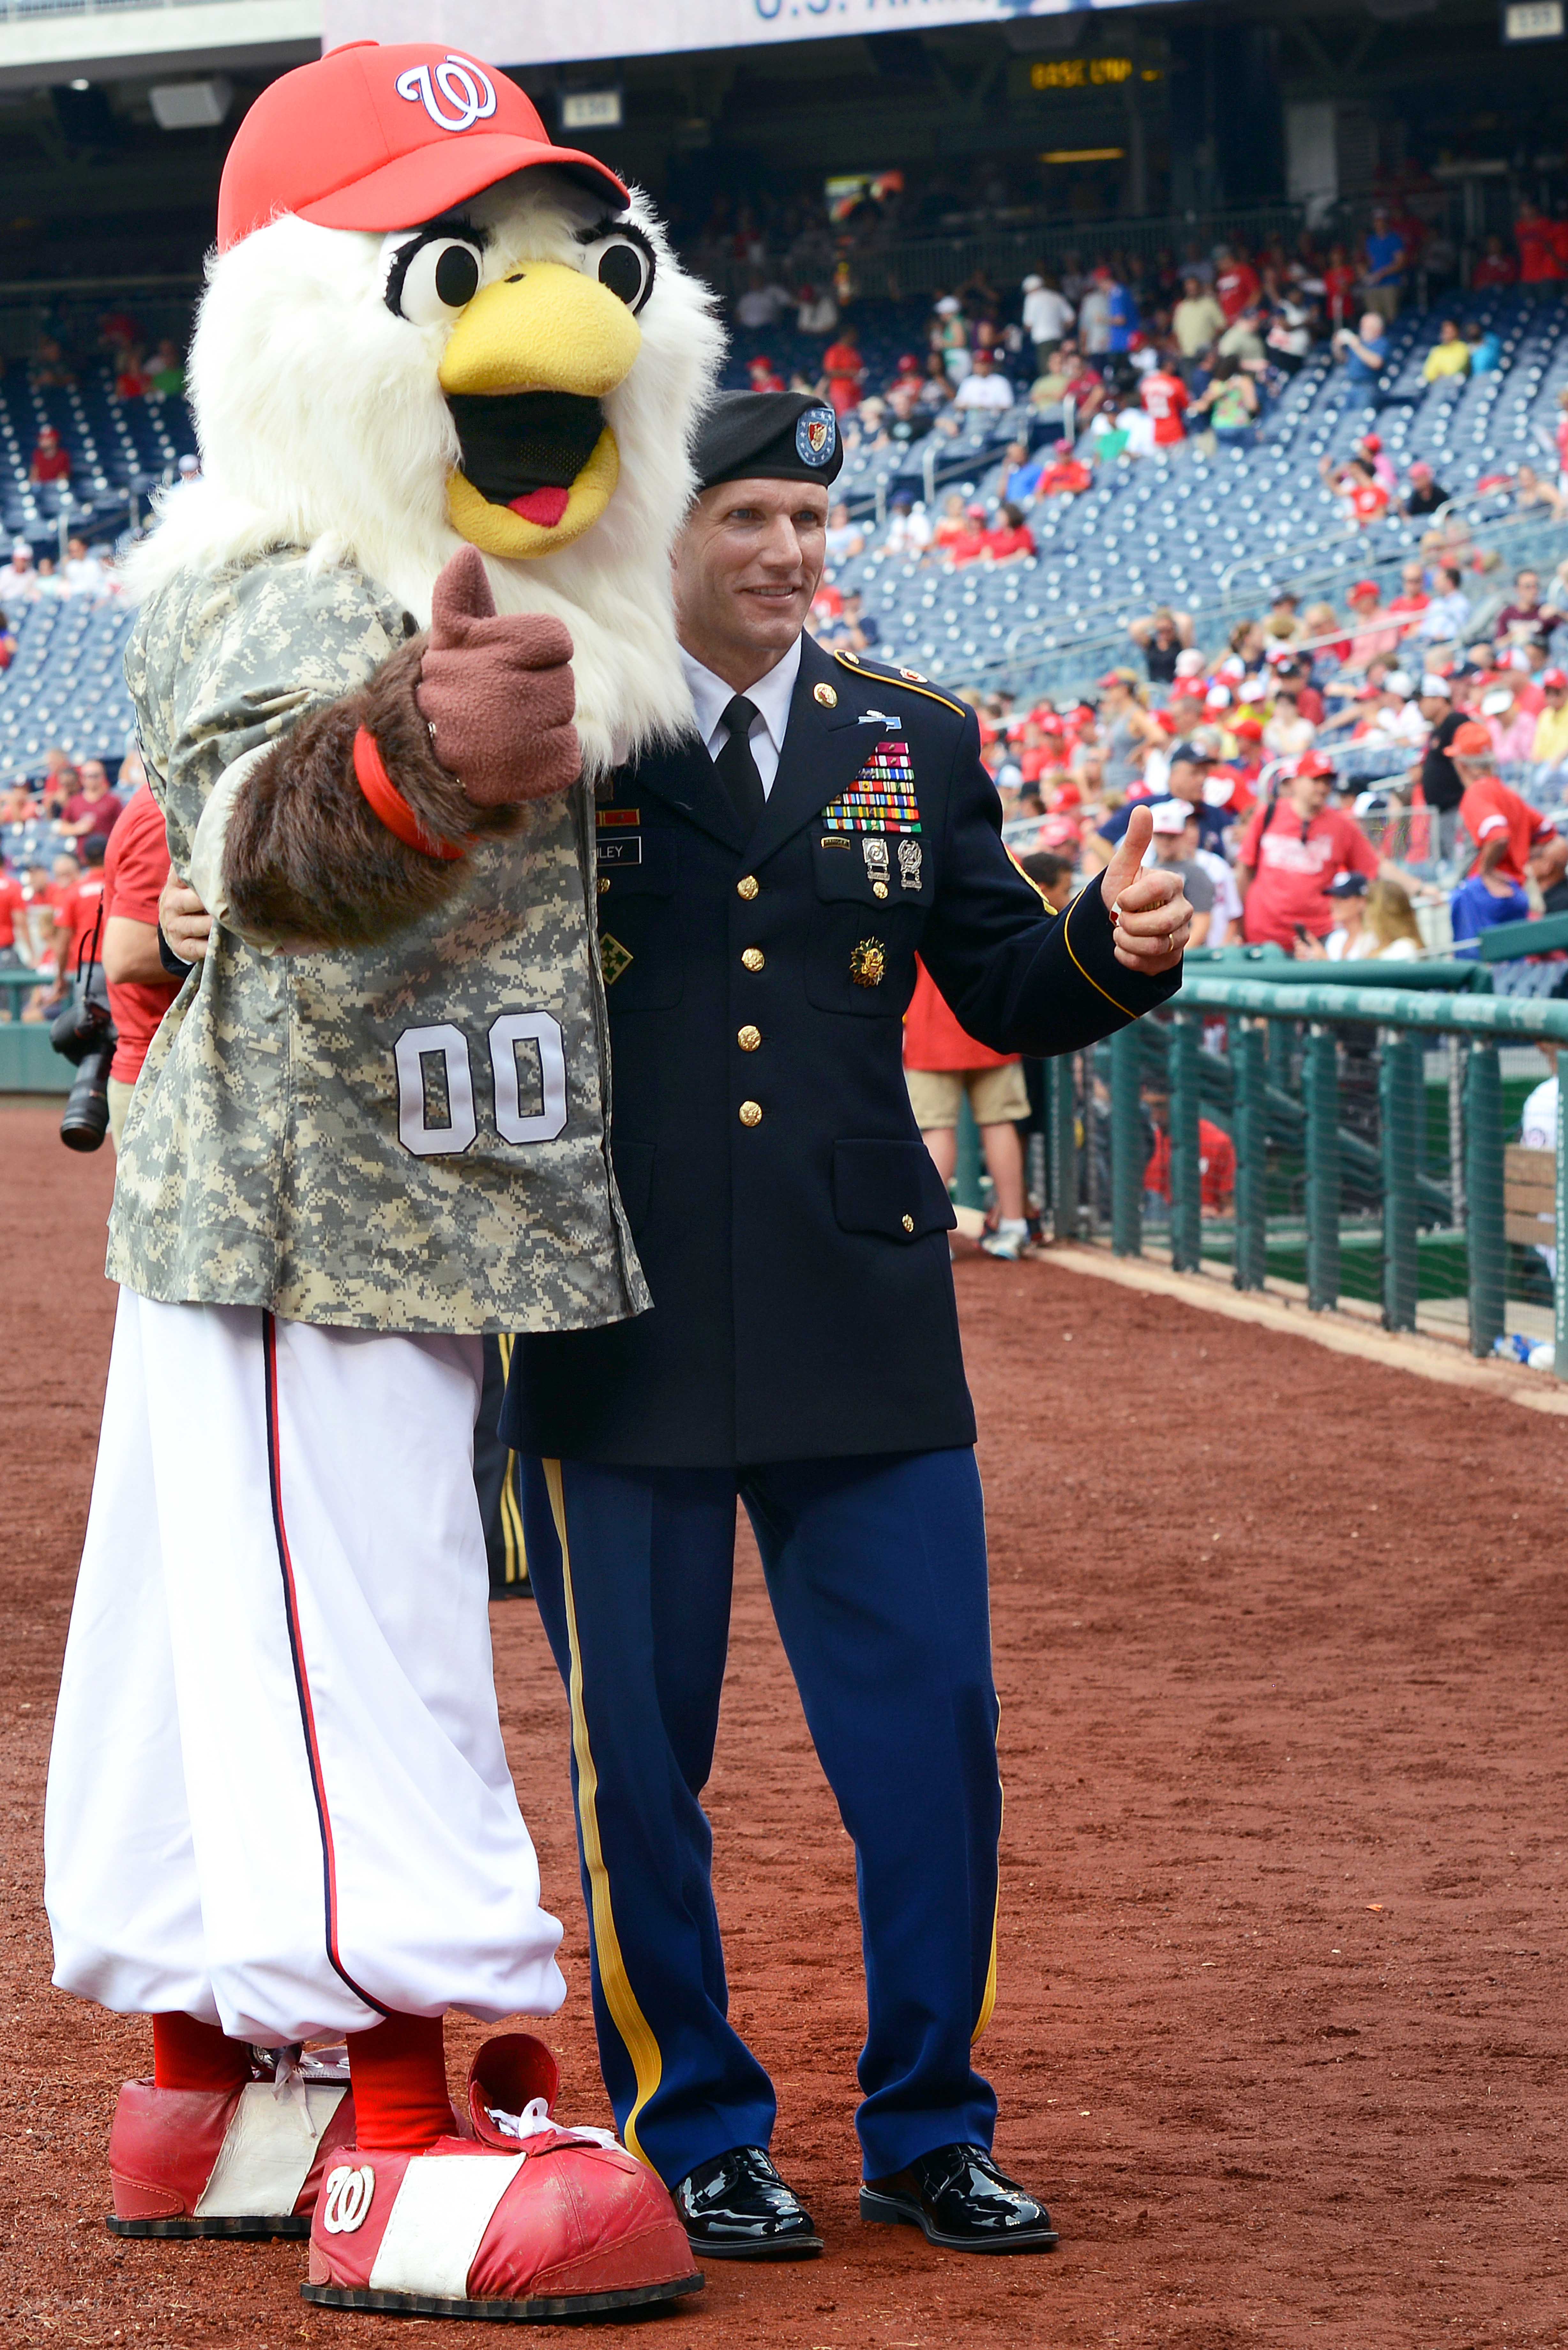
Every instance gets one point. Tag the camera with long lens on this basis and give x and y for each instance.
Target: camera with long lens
(85, 1034)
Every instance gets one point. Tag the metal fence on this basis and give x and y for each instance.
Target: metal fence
(1335, 1142)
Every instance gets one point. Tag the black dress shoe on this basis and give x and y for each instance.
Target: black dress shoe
(960, 2199)
(737, 2207)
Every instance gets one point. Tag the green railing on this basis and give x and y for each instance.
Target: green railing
(1339, 1135)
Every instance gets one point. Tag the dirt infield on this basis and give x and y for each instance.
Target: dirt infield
(1281, 1640)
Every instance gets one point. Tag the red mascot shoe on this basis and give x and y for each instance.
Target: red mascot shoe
(227, 2162)
(524, 2220)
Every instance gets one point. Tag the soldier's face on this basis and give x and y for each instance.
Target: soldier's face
(746, 569)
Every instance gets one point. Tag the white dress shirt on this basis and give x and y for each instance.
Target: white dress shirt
(771, 696)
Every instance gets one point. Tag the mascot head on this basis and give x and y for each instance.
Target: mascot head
(425, 323)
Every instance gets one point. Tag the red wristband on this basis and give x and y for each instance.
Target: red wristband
(370, 770)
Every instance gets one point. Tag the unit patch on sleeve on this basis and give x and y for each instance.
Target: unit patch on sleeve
(882, 796)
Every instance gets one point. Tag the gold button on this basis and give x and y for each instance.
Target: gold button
(751, 1113)
(878, 889)
(753, 958)
(826, 695)
(908, 1222)
(749, 1038)
(747, 885)
(604, 883)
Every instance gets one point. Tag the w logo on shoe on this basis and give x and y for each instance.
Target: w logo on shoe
(466, 88)
(346, 2199)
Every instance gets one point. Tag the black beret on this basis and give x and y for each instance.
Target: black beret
(768, 436)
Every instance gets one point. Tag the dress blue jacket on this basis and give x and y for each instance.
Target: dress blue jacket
(789, 1218)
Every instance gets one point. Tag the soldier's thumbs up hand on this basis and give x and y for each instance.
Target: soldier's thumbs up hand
(1151, 917)
(496, 692)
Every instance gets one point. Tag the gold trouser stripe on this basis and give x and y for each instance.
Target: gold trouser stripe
(988, 1997)
(614, 1981)
(513, 1541)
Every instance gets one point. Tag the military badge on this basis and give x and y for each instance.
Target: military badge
(874, 849)
(868, 962)
(908, 863)
(613, 958)
(816, 436)
(826, 695)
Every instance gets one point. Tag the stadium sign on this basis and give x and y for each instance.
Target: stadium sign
(561, 32)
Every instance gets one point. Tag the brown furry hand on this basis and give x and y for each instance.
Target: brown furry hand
(497, 691)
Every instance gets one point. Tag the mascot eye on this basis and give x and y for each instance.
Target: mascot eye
(432, 281)
(623, 265)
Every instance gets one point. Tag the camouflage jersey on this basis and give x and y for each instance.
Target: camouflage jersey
(408, 1137)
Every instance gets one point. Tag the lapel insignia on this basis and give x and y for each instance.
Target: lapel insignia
(882, 796)
(867, 963)
(613, 958)
(908, 863)
(826, 695)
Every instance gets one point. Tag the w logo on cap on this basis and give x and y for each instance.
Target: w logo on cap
(466, 88)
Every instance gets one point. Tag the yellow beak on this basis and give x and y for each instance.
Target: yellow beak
(547, 329)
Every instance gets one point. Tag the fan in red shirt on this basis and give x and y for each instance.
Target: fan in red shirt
(970, 543)
(1064, 474)
(1535, 236)
(846, 372)
(1010, 537)
(1216, 1160)
(13, 904)
(1293, 849)
(1164, 396)
(943, 1064)
(1236, 285)
(51, 460)
(135, 869)
(1503, 825)
(1339, 283)
(763, 376)
(78, 910)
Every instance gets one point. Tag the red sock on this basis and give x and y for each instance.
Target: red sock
(190, 2055)
(401, 2103)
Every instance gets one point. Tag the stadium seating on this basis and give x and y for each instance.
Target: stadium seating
(66, 684)
(1210, 535)
(118, 448)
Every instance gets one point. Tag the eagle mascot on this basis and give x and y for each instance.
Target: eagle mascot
(445, 376)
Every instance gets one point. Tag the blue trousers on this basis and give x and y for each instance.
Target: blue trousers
(875, 1569)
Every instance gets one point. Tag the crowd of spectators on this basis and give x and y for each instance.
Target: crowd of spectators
(55, 831)
(1319, 777)
(1145, 357)
(1252, 760)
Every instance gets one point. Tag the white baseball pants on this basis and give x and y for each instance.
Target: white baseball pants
(279, 1798)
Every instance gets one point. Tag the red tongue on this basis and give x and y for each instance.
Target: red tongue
(542, 506)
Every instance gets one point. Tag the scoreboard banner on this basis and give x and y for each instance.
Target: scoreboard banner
(563, 32)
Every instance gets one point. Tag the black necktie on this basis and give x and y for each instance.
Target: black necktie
(737, 766)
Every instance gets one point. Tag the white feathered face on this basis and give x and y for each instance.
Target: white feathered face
(524, 374)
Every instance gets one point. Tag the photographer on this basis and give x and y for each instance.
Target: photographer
(140, 988)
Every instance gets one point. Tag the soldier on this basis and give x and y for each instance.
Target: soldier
(763, 889)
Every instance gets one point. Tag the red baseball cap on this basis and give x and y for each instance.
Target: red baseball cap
(1470, 740)
(1554, 678)
(1248, 729)
(380, 137)
(1362, 590)
(1314, 763)
(1370, 440)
